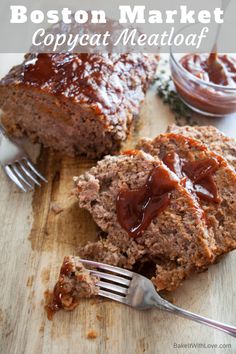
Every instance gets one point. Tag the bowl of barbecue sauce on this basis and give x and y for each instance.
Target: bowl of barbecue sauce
(206, 82)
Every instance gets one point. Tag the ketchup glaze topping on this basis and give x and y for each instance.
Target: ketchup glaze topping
(109, 83)
(136, 208)
(215, 68)
(199, 174)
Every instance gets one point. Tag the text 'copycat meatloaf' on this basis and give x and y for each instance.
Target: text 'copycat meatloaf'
(147, 216)
(76, 103)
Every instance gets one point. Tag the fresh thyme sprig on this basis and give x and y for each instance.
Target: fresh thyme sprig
(166, 91)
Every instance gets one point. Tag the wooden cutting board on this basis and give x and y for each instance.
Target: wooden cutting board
(34, 240)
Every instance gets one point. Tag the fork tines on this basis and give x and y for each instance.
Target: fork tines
(109, 278)
(24, 174)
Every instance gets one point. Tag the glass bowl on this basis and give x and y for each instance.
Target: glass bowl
(201, 96)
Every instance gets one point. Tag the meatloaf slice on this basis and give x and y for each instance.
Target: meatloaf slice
(213, 138)
(208, 176)
(75, 282)
(76, 103)
(176, 239)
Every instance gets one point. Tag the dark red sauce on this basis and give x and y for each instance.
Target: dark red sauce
(39, 70)
(215, 68)
(199, 172)
(137, 208)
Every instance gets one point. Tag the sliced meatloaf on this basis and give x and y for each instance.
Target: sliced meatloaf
(208, 176)
(76, 103)
(75, 282)
(213, 138)
(174, 236)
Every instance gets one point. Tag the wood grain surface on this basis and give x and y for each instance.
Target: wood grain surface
(34, 239)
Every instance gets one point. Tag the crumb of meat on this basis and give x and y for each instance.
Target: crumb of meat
(99, 318)
(56, 208)
(92, 334)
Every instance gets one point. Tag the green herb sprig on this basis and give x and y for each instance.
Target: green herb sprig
(166, 91)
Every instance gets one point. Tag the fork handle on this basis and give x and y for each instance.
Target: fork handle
(231, 330)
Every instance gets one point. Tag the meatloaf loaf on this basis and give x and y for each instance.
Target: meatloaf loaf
(125, 192)
(208, 176)
(76, 103)
(75, 282)
(214, 139)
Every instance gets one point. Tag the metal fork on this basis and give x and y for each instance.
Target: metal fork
(17, 164)
(137, 291)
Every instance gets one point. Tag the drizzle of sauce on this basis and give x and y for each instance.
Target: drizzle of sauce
(215, 68)
(199, 173)
(138, 207)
